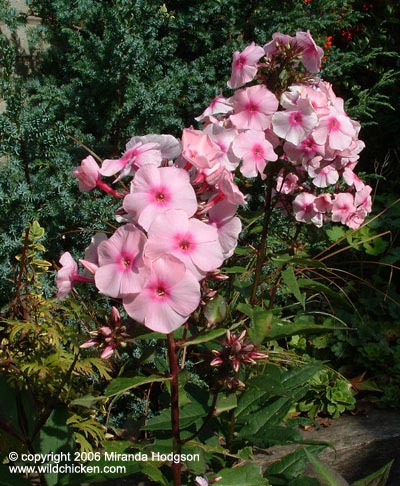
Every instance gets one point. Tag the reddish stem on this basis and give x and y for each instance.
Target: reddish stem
(109, 190)
(176, 439)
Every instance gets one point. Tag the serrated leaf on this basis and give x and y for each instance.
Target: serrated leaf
(335, 233)
(123, 384)
(324, 472)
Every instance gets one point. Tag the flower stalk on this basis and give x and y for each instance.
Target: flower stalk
(176, 439)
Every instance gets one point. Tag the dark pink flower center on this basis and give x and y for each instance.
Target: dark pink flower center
(160, 195)
(295, 118)
(185, 243)
(240, 62)
(252, 107)
(258, 152)
(126, 261)
(333, 124)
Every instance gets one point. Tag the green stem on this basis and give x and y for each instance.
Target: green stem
(176, 439)
(263, 243)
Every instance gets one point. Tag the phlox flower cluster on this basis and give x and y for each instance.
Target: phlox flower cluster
(303, 124)
(177, 220)
(178, 224)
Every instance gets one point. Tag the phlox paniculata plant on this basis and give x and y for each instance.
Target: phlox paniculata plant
(178, 220)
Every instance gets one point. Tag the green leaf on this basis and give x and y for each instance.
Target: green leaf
(56, 436)
(205, 338)
(293, 464)
(335, 233)
(290, 281)
(324, 472)
(36, 231)
(215, 310)
(226, 403)
(260, 387)
(87, 401)
(298, 376)
(14, 479)
(123, 384)
(248, 475)
(262, 323)
(304, 481)
(272, 414)
(188, 415)
(234, 269)
(378, 478)
(282, 328)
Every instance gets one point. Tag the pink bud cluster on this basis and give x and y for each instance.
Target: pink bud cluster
(110, 337)
(236, 351)
(178, 225)
(305, 127)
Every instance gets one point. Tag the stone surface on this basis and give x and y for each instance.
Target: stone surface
(362, 445)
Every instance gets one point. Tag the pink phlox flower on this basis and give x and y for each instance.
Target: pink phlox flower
(66, 276)
(303, 152)
(363, 204)
(168, 145)
(223, 138)
(303, 207)
(200, 481)
(230, 190)
(255, 151)
(323, 173)
(155, 190)
(336, 130)
(88, 173)
(278, 43)
(191, 241)
(352, 179)
(122, 268)
(287, 184)
(244, 65)
(199, 149)
(362, 198)
(291, 96)
(311, 55)
(169, 296)
(91, 260)
(253, 108)
(323, 203)
(295, 125)
(342, 207)
(222, 216)
(219, 105)
(318, 99)
(138, 155)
